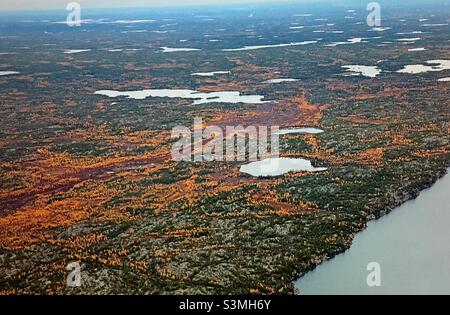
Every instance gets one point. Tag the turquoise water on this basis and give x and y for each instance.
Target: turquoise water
(411, 246)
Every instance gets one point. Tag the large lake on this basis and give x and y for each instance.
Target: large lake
(411, 244)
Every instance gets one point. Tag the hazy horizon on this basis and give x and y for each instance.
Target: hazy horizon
(27, 5)
(36, 5)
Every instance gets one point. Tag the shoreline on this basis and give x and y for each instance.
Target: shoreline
(407, 196)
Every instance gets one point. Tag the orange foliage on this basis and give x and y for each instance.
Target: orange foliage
(372, 156)
(85, 241)
(310, 115)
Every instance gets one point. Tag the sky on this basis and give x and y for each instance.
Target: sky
(17, 5)
(32, 5)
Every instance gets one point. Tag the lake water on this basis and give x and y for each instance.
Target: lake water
(197, 97)
(434, 65)
(209, 74)
(409, 39)
(411, 244)
(4, 73)
(76, 51)
(278, 166)
(350, 41)
(275, 81)
(366, 71)
(308, 130)
(171, 50)
(417, 49)
(245, 48)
